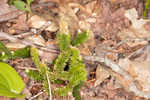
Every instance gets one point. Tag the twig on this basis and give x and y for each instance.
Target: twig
(49, 86)
(33, 97)
(93, 58)
(23, 35)
(30, 68)
(11, 38)
(7, 36)
(49, 4)
(131, 39)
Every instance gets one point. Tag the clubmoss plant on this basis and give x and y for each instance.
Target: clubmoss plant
(69, 57)
(68, 67)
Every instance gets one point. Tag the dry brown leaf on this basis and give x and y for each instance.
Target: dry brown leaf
(139, 69)
(21, 24)
(36, 39)
(52, 27)
(101, 75)
(138, 28)
(14, 45)
(8, 12)
(36, 21)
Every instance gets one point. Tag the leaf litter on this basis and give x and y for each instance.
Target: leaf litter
(117, 52)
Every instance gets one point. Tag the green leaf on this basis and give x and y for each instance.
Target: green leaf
(10, 2)
(4, 91)
(58, 81)
(21, 53)
(35, 57)
(64, 41)
(13, 82)
(61, 61)
(20, 4)
(147, 4)
(63, 75)
(4, 82)
(29, 1)
(76, 91)
(81, 38)
(63, 91)
(36, 75)
(4, 49)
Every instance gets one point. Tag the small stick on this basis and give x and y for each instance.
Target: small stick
(33, 97)
(51, 48)
(23, 35)
(30, 68)
(49, 86)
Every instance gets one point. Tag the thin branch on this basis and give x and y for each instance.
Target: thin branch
(11, 38)
(30, 68)
(23, 35)
(35, 96)
(7, 36)
(49, 86)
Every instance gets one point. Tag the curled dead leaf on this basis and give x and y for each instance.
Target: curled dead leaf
(101, 75)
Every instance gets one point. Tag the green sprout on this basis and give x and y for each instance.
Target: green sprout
(21, 5)
(147, 4)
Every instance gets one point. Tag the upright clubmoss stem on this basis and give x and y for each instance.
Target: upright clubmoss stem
(63, 25)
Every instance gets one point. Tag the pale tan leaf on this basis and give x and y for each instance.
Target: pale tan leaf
(138, 67)
(36, 39)
(101, 75)
(138, 28)
(36, 21)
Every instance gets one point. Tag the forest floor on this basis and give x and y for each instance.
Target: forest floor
(117, 54)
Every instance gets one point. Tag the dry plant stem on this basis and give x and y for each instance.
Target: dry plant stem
(7, 36)
(27, 43)
(33, 97)
(13, 39)
(131, 39)
(23, 35)
(49, 3)
(4, 18)
(49, 86)
(30, 68)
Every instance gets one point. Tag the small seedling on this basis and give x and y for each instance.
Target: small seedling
(21, 5)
